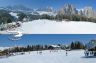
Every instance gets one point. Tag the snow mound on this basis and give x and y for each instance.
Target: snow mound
(13, 14)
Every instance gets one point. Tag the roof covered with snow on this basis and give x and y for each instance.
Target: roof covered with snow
(55, 46)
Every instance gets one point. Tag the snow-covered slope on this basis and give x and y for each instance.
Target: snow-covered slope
(53, 27)
(47, 57)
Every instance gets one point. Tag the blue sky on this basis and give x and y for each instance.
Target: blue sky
(46, 39)
(45, 3)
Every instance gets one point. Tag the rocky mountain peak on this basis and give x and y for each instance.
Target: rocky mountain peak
(68, 9)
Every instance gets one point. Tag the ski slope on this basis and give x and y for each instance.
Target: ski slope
(53, 27)
(47, 57)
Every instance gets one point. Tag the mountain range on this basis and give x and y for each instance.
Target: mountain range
(67, 9)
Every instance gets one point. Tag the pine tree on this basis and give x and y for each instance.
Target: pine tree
(72, 45)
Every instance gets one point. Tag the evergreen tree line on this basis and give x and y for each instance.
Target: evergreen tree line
(74, 18)
(59, 17)
(31, 17)
(73, 45)
(77, 45)
(28, 48)
(5, 17)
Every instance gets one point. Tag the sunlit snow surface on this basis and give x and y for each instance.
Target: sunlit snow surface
(47, 57)
(53, 27)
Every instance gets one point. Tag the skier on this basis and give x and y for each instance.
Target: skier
(87, 53)
(66, 53)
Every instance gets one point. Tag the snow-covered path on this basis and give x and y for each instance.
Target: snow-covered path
(47, 57)
(53, 27)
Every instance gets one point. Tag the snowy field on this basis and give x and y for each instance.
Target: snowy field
(47, 57)
(53, 27)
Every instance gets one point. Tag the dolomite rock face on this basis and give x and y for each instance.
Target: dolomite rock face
(89, 12)
(68, 10)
